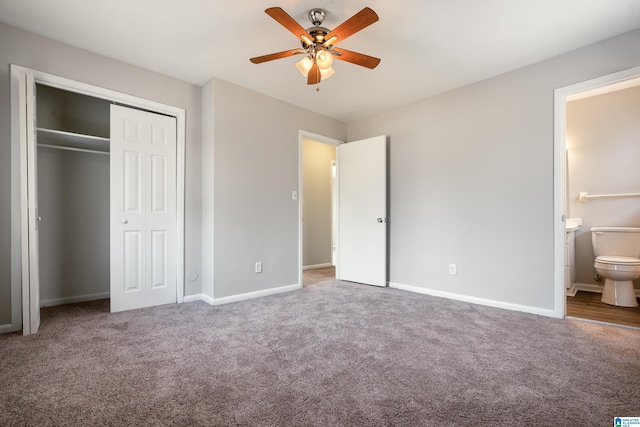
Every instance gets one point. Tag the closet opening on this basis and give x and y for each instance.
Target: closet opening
(72, 135)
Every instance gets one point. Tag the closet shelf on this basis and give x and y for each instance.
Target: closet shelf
(63, 139)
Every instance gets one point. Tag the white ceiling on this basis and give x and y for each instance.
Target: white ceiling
(426, 46)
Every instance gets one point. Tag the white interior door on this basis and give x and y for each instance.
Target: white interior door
(143, 209)
(362, 216)
(30, 248)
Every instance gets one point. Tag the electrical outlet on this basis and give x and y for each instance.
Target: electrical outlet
(453, 270)
(258, 267)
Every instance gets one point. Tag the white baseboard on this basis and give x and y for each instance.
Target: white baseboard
(72, 300)
(313, 267)
(199, 297)
(257, 294)
(588, 287)
(9, 328)
(572, 291)
(475, 300)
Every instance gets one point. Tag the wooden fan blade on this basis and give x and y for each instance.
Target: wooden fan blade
(272, 56)
(314, 75)
(357, 22)
(287, 21)
(357, 58)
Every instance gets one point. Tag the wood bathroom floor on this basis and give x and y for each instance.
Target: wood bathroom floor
(587, 305)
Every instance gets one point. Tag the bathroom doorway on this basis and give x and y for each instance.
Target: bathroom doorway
(596, 138)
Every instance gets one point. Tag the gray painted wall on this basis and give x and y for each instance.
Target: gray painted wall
(317, 203)
(73, 195)
(471, 175)
(255, 169)
(30, 50)
(603, 151)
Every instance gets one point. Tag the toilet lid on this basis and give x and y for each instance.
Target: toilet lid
(618, 260)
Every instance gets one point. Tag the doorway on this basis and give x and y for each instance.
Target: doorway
(575, 288)
(361, 208)
(25, 263)
(318, 206)
(601, 161)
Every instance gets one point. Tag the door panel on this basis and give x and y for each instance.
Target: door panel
(161, 214)
(158, 184)
(143, 209)
(132, 262)
(131, 181)
(159, 258)
(362, 230)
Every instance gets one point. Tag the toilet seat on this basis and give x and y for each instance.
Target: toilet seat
(624, 260)
(618, 263)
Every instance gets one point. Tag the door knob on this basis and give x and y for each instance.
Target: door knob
(380, 220)
(124, 221)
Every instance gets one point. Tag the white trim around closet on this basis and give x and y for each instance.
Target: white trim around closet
(17, 193)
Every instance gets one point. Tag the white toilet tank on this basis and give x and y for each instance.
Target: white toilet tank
(616, 241)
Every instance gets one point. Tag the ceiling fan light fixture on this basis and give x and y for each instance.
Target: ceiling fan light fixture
(324, 59)
(326, 73)
(304, 65)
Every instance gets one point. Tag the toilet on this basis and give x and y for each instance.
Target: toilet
(617, 251)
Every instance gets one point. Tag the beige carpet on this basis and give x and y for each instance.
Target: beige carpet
(330, 354)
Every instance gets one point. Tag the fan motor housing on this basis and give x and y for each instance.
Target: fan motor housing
(318, 34)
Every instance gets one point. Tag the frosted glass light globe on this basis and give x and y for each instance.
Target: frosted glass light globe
(324, 59)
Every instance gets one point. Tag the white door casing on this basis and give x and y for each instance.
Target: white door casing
(30, 227)
(143, 209)
(362, 222)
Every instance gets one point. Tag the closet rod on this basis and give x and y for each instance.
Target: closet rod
(141, 109)
(585, 196)
(83, 150)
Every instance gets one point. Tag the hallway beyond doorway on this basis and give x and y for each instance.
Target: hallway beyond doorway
(317, 275)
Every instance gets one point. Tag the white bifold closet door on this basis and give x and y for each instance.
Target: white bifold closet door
(143, 209)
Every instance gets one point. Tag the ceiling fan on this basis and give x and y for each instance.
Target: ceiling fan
(318, 43)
